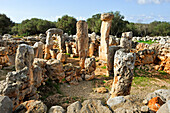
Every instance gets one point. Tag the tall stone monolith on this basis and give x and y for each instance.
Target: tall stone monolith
(123, 73)
(82, 39)
(105, 29)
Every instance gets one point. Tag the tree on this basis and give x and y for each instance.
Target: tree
(67, 24)
(94, 24)
(5, 24)
(33, 26)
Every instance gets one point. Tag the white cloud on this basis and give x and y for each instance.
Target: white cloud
(146, 18)
(151, 1)
(80, 18)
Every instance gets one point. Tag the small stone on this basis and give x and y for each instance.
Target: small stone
(145, 109)
(56, 109)
(6, 105)
(115, 101)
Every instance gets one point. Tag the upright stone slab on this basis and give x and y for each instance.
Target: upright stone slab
(110, 60)
(25, 58)
(105, 29)
(126, 41)
(38, 50)
(82, 39)
(123, 73)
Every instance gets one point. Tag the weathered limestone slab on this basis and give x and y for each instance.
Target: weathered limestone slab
(82, 38)
(25, 58)
(38, 50)
(110, 60)
(123, 73)
(105, 29)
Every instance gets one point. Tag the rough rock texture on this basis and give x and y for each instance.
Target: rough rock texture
(110, 60)
(38, 49)
(88, 106)
(126, 41)
(146, 56)
(31, 106)
(90, 67)
(49, 40)
(56, 109)
(6, 105)
(74, 108)
(162, 93)
(105, 29)
(62, 57)
(4, 59)
(164, 108)
(123, 73)
(155, 103)
(82, 37)
(55, 70)
(115, 101)
(21, 85)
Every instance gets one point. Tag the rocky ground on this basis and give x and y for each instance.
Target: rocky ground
(146, 80)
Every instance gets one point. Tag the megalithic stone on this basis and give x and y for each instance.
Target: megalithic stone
(105, 29)
(110, 60)
(123, 73)
(82, 39)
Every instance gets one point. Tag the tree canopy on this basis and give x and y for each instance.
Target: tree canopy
(5, 24)
(68, 25)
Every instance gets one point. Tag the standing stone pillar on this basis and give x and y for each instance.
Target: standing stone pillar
(105, 29)
(123, 73)
(82, 39)
(126, 41)
(48, 46)
(38, 50)
(61, 43)
(110, 60)
(25, 58)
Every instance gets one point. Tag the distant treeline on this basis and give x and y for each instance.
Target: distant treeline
(68, 24)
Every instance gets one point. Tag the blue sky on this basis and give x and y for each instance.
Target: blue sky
(142, 11)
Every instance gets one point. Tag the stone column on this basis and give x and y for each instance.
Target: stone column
(110, 60)
(126, 41)
(25, 58)
(48, 46)
(123, 73)
(82, 39)
(38, 50)
(105, 29)
(61, 43)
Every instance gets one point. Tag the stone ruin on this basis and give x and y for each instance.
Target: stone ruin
(40, 58)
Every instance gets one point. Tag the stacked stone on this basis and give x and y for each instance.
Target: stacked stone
(123, 73)
(21, 85)
(105, 29)
(90, 67)
(164, 57)
(38, 49)
(72, 74)
(55, 70)
(3, 56)
(146, 56)
(82, 39)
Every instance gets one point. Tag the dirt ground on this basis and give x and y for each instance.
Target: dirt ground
(146, 80)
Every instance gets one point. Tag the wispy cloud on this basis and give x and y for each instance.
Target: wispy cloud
(146, 18)
(152, 1)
